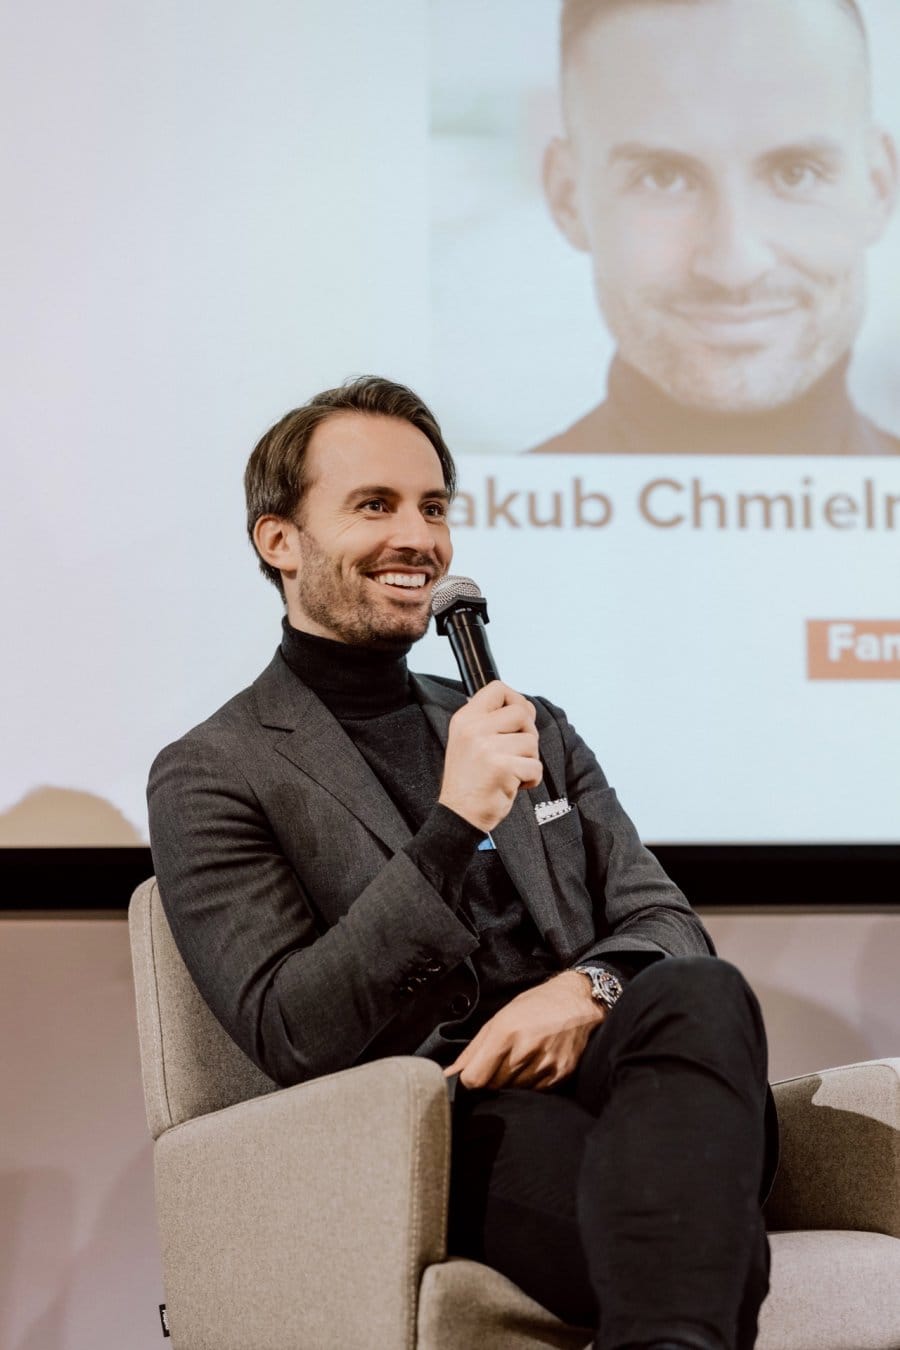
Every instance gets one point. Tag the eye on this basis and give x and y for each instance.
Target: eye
(664, 179)
(435, 510)
(374, 506)
(796, 176)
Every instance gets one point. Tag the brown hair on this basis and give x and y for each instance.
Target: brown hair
(275, 477)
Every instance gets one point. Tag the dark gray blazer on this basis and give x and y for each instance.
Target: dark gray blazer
(311, 934)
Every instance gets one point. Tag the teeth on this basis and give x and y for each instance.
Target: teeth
(402, 579)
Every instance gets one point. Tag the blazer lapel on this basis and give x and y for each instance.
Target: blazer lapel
(318, 745)
(438, 702)
(518, 837)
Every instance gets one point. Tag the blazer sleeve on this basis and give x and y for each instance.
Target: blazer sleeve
(300, 998)
(640, 915)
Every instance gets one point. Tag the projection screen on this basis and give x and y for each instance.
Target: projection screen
(657, 316)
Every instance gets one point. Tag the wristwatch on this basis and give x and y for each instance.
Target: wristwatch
(606, 988)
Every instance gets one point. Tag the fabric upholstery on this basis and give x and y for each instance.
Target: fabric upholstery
(840, 1150)
(463, 1304)
(832, 1291)
(829, 1291)
(306, 1218)
(190, 1064)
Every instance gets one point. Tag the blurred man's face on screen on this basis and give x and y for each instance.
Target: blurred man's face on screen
(722, 169)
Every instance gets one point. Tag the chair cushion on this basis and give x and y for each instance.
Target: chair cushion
(463, 1304)
(829, 1291)
(832, 1291)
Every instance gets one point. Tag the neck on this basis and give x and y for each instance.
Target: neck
(351, 681)
(648, 421)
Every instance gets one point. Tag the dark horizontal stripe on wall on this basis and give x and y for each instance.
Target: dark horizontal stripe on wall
(858, 876)
(855, 876)
(34, 879)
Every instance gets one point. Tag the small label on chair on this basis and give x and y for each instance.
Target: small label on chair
(164, 1320)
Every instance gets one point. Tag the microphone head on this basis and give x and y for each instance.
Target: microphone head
(449, 590)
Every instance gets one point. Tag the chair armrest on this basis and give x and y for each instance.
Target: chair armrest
(305, 1217)
(840, 1150)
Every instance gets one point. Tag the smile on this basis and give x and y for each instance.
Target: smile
(410, 581)
(738, 324)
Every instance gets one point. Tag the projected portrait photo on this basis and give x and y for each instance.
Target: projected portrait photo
(723, 170)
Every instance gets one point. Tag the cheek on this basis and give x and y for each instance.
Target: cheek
(357, 545)
(824, 242)
(637, 246)
(445, 546)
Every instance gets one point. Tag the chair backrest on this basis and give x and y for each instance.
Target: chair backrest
(189, 1063)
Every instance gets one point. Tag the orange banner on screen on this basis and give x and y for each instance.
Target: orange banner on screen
(853, 649)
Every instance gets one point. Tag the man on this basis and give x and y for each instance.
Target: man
(358, 862)
(721, 167)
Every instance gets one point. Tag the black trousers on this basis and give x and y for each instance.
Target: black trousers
(628, 1199)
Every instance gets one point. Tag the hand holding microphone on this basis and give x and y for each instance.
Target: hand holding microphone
(492, 747)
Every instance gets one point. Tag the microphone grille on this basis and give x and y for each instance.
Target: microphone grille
(451, 589)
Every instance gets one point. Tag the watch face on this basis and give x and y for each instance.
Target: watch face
(605, 987)
(608, 987)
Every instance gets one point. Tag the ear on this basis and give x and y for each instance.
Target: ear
(278, 543)
(883, 173)
(561, 191)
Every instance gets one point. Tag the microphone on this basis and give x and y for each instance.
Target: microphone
(460, 613)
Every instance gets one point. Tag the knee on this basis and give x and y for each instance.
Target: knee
(701, 977)
(708, 992)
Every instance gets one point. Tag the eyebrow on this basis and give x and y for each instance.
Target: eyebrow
(817, 147)
(381, 490)
(634, 152)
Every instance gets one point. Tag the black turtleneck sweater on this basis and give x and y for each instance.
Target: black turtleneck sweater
(639, 419)
(369, 692)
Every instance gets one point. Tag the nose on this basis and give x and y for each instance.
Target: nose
(732, 251)
(411, 530)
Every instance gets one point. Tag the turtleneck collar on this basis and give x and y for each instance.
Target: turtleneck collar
(647, 421)
(352, 682)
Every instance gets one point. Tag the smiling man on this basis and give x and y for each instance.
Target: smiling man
(346, 579)
(358, 862)
(722, 169)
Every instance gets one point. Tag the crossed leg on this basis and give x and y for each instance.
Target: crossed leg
(628, 1200)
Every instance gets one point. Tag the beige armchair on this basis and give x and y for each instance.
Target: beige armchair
(314, 1217)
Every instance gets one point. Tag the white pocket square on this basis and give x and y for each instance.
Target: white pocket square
(547, 811)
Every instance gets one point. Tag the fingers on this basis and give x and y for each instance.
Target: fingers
(487, 1067)
(481, 1063)
(516, 745)
(511, 706)
(528, 771)
(492, 752)
(494, 1066)
(535, 1041)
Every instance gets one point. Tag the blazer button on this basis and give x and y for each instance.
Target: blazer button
(460, 1004)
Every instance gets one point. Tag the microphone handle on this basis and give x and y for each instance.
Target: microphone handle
(468, 638)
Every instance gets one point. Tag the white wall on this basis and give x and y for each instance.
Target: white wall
(79, 1267)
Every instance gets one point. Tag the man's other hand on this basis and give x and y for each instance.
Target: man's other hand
(536, 1041)
(492, 752)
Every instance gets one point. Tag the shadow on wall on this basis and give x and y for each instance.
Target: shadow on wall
(827, 983)
(795, 1024)
(96, 1287)
(878, 984)
(36, 1236)
(54, 817)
